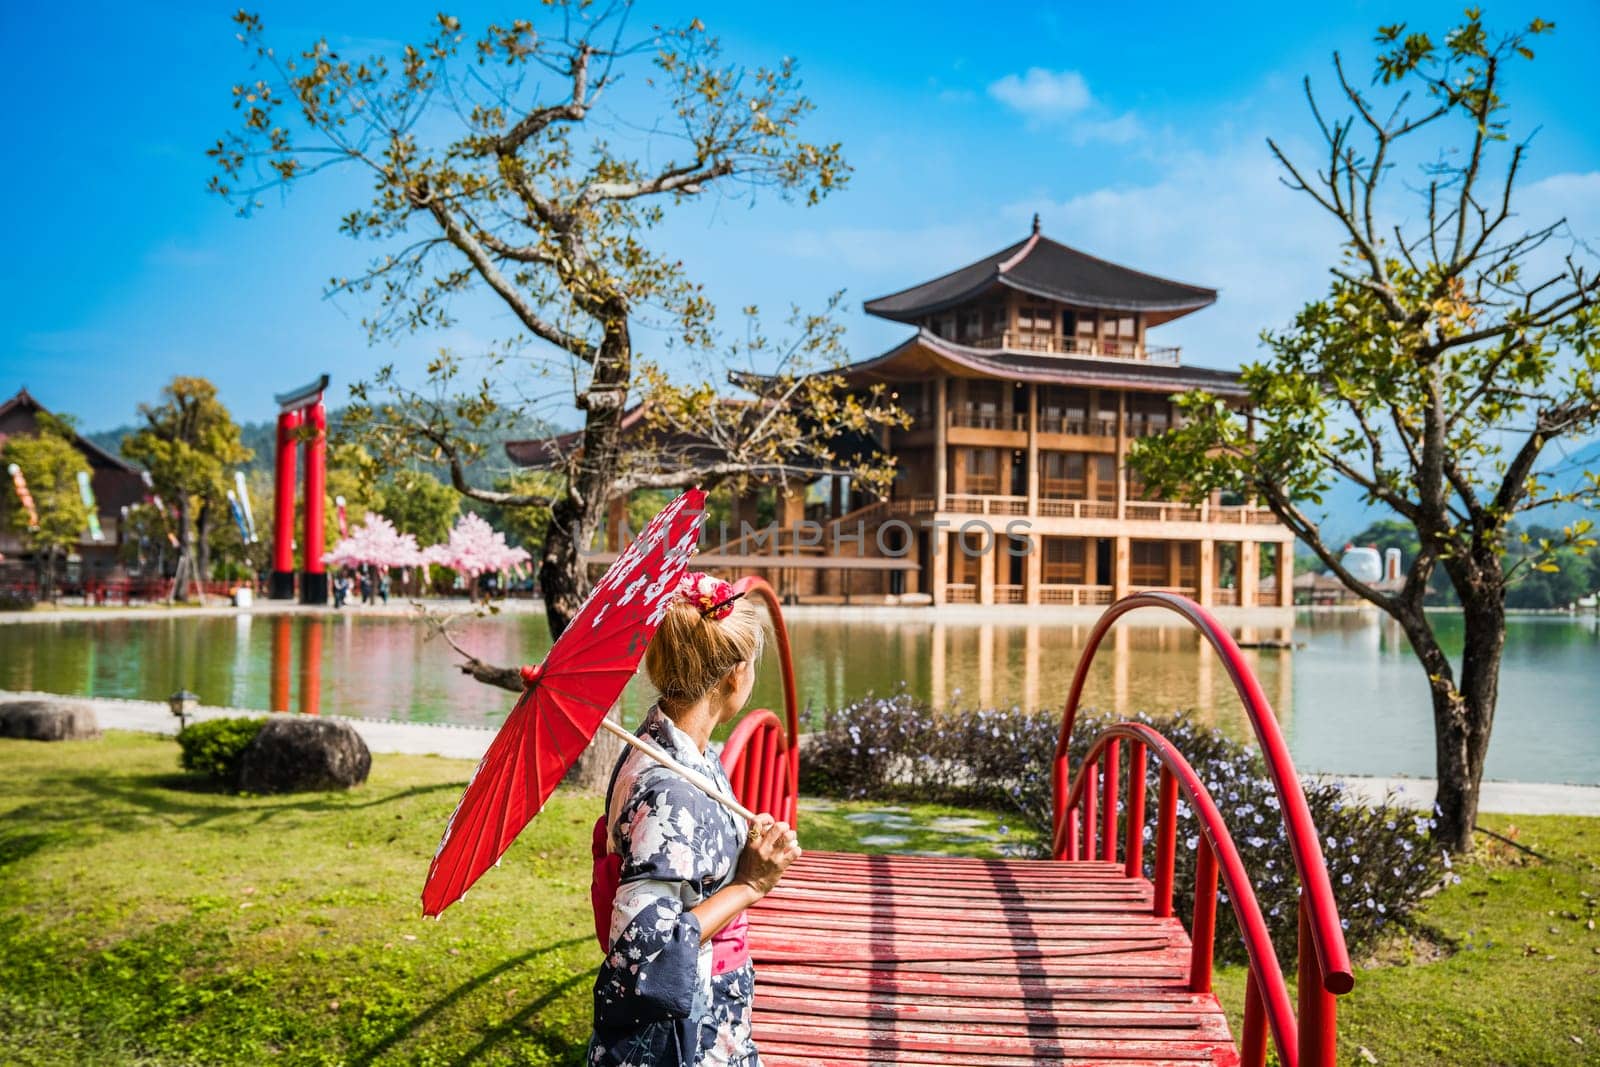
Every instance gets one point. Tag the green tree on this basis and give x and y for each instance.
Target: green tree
(1451, 348)
(505, 163)
(50, 462)
(190, 445)
(1385, 534)
(421, 505)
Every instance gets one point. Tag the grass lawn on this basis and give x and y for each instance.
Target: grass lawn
(145, 920)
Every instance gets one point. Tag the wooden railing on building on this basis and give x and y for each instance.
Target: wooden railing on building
(1090, 347)
(984, 504)
(1077, 509)
(979, 419)
(1075, 594)
(1057, 508)
(1010, 594)
(1144, 511)
(960, 593)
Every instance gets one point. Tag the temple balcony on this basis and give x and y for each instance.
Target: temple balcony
(1054, 507)
(1094, 347)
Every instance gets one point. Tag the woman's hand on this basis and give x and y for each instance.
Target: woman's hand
(768, 853)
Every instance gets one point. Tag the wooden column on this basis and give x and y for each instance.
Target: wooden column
(1249, 572)
(1286, 574)
(1119, 568)
(1122, 451)
(1205, 566)
(941, 461)
(986, 568)
(1033, 450)
(1174, 565)
(1033, 568)
(938, 566)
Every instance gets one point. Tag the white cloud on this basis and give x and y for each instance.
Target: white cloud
(1043, 94)
(1062, 98)
(1124, 129)
(1217, 218)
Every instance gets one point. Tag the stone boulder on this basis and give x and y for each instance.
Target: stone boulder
(298, 754)
(48, 720)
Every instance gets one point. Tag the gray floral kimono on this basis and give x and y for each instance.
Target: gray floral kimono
(656, 1001)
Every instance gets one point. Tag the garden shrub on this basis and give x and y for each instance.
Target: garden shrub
(1380, 859)
(214, 747)
(16, 600)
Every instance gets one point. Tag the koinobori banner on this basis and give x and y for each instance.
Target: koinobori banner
(86, 491)
(238, 516)
(24, 496)
(244, 504)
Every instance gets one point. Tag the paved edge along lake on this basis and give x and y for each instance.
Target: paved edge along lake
(1352, 701)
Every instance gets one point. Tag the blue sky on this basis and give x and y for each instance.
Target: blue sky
(1137, 136)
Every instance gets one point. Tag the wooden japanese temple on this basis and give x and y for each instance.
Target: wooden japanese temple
(1030, 373)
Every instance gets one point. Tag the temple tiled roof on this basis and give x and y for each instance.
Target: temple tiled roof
(914, 358)
(1050, 270)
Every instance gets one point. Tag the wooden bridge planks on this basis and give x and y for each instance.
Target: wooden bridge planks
(938, 962)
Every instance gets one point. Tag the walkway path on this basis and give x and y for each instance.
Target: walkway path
(398, 607)
(469, 742)
(408, 738)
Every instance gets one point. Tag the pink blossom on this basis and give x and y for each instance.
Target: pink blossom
(375, 542)
(475, 548)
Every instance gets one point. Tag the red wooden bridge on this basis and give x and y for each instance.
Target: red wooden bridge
(1077, 959)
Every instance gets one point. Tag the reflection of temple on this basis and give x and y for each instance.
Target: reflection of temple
(1156, 669)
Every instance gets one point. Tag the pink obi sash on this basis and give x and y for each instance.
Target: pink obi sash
(730, 946)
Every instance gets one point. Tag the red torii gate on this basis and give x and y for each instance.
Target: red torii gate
(300, 408)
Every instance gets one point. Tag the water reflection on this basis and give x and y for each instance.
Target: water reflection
(1352, 699)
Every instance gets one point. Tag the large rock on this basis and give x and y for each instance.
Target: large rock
(297, 753)
(48, 720)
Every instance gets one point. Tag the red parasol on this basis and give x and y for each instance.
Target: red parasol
(566, 701)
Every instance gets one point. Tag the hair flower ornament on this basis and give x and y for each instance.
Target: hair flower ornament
(713, 596)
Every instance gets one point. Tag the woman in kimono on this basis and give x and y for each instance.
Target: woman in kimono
(676, 984)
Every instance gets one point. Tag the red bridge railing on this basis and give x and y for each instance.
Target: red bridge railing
(1304, 1039)
(762, 755)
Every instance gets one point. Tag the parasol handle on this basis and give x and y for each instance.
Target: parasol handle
(705, 784)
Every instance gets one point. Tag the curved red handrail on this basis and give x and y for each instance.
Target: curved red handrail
(1241, 892)
(1327, 936)
(755, 585)
(756, 758)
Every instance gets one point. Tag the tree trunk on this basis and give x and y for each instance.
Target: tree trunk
(577, 514)
(185, 550)
(1462, 725)
(203, 546)
(1462, 712)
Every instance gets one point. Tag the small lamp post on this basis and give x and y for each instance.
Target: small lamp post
(183, 704)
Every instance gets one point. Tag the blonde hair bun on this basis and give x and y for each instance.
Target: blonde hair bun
(691, 652)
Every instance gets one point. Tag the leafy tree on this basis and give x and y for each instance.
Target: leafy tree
(419, 504)
(1450, 349)
(190, 445)
(1553, 574)
(352, 474)
(506, 163)
(50, 462)
(1390, 533)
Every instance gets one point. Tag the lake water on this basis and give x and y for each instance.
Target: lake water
(1352, 701)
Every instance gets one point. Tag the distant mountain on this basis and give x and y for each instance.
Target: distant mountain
(1344, 513)
(262, 439)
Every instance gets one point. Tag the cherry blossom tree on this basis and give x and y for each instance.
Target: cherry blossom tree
(376, 543)
(476, 548)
